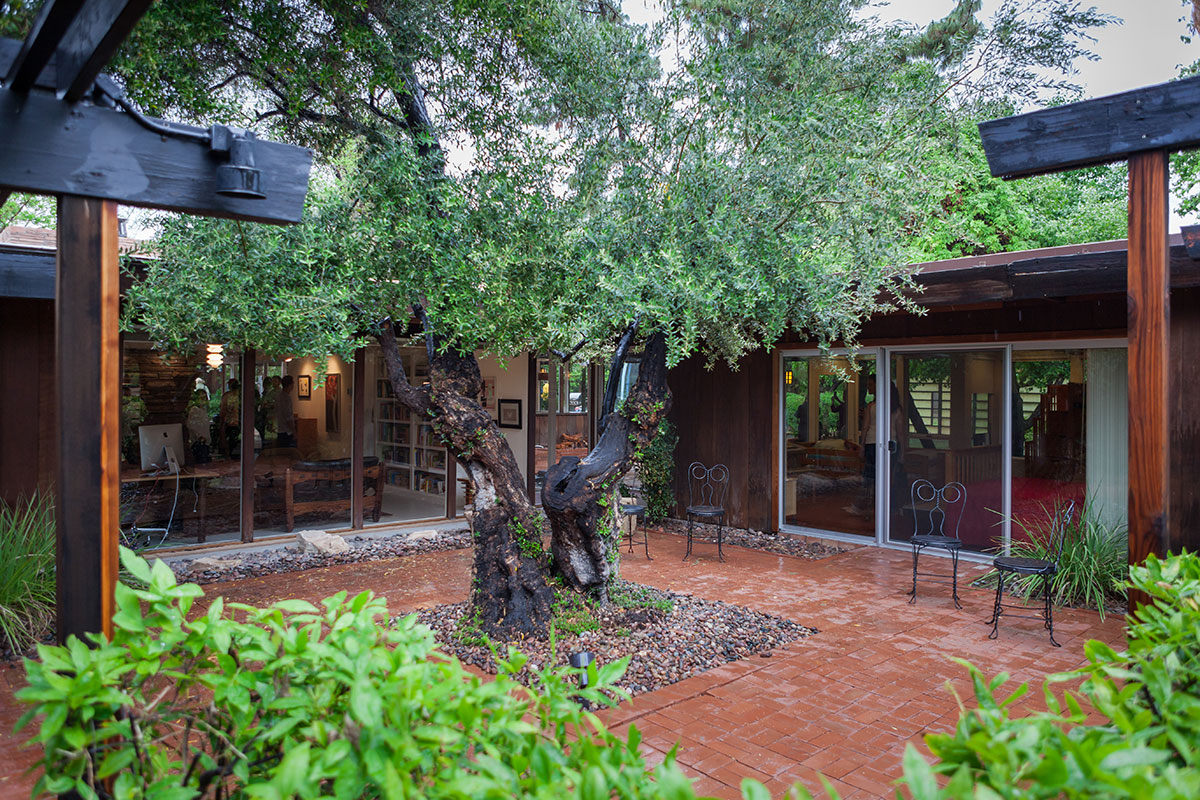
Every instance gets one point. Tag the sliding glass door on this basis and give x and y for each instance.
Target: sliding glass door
(947, 426)
(829, 444)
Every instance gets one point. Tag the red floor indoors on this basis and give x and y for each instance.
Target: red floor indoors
(844, 702)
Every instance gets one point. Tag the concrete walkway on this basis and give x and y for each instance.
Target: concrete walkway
(844, 702)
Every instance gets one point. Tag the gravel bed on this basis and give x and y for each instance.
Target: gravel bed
(292, 559)
(665, 647)
(787, 544)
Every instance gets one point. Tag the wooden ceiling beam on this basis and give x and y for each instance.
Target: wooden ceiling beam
(1100, 131)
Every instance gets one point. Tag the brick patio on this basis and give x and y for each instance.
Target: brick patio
(844, 702)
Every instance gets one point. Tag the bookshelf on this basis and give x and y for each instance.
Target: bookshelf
(407, 447)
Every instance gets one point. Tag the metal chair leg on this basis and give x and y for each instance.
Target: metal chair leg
(996, 609)
(912, 596)
(720, 534)
(689, 543)
(645, 539)
(1049, 611)
(954, 558)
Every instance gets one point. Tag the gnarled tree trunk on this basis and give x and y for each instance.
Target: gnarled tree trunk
(510, 593)
(580, 496)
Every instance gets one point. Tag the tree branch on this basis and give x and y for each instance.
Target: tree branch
(614, 372)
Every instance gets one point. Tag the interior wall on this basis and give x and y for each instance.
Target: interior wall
(332, 444)
(27, 400)
(512, 383)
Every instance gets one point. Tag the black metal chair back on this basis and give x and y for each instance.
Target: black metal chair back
(1059, 533)
(944, 500)
(707, 485)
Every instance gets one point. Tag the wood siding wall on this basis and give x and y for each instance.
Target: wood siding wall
(27, 421)
(725, 417)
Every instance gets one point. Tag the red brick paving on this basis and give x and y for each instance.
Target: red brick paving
(843, 703)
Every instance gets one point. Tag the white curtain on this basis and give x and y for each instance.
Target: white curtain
(1107, 434)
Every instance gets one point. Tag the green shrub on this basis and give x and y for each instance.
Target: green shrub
(298, 701)
(26, 571)
(1146, 746)
(1091, 572)
(656, 470)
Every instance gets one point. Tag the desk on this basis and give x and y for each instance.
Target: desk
(198, 477)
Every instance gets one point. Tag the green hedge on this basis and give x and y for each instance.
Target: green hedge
(1147, 744)
(298, 701)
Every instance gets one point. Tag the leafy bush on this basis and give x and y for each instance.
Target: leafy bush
(656, 470)
(297, 701)
(1148, 744)
(26, 571)
(1091, 572)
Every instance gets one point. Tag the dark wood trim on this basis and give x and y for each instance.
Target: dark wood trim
(246, 446)
(89, 375)
(1149, 351)
(358, 422)
(531, 429)
(451, 485)
(1164, 117)
(26, 273)
(776, 439)
(51, 147)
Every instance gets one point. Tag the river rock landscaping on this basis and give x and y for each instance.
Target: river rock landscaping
(786, 544)
(668, 636)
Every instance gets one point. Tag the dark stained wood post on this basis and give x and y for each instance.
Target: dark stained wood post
(88, 356)
(246, 456)
(531, 429)
(358, 419)
(1149, 301)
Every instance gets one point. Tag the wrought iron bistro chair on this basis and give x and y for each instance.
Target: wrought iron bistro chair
(1016, 565)
(706, 499)
(637, 510)
(943, 500)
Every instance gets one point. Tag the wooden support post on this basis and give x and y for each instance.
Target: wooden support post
(358, 419)
(552, 413)
(89, 375)
(246, 455)
(1149, 349)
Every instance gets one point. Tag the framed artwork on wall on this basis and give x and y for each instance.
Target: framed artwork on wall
(510, 414)
(333, 403)
(304, 387)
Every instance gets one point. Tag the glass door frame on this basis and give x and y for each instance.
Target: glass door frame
(781, 443)
(883, 455)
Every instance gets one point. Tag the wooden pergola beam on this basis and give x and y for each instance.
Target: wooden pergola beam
(1100, 131)
(39, 47)
(51, 147)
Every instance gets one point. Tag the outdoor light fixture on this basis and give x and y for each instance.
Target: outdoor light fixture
(581, 661)
(215, 355)
(238, 178)
(787, 377)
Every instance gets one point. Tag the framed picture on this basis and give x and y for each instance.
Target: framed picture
(510, 414)
(304, 387)
(488, 397)
(333, 403)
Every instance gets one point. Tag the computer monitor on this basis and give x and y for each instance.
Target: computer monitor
(154, 443)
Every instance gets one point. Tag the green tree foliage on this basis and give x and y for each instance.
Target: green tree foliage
(1147, 742)
(980, 214)
(298, 701)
